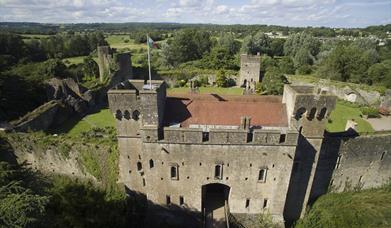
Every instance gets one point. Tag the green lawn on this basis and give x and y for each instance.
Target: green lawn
(343, 112)
(101, 119)
(76, 60)
(207, 90)
(118, 42)
(29, 37)
(367, 208)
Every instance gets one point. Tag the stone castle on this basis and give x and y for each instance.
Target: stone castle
(239, 155)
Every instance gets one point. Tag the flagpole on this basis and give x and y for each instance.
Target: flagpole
(149, 64)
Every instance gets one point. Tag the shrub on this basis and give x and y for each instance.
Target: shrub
(370, 112)
(304, 69)
(221, 79)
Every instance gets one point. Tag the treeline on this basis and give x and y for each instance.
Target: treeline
(359, 61)
(14, 49)
(243, 30)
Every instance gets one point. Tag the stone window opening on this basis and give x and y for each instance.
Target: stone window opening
(382, 156)
(205, 136)
(151, 164)
(118, 115)
(127, 115)
(262, 175)
(136, 115)
(265, 203)
(312, 113)
(139, 166)
(219, 172)
(143, 182)
(282, 138)
(360, 179)
(174, 172)
(250, 137)
(168, 200)
(299, 113)
(247, 203)
(181, 201)
(322, 113)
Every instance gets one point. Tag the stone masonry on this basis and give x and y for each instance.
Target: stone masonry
(250, 72)
(172, 149)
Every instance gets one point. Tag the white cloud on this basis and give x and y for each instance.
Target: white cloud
(283, 12)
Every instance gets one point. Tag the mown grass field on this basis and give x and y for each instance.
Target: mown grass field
(29, 37)
(121, 42)
(366, 208)
(103, 118)
(206, 90)
(76, 60)
(344, 112)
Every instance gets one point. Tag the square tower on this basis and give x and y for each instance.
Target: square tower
(250, 71)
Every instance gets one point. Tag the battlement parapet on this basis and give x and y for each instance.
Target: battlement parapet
(183, 135)
(275, 137)
(150, 134)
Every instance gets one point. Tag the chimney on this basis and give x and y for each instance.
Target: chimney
(243, 122)
(248, 122)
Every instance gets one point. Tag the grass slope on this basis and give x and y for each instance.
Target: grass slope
(76, 60)
(74, 127)
(344, 112)
(367, 208)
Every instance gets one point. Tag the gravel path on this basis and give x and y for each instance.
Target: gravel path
(381, 124)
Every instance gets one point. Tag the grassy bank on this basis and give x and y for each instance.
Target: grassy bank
(74, 127)
(344, 112)
(367, 208)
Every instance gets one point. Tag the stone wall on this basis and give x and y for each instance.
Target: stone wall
(250, 71)
(356, 161)
(104, 60)
(145, 167)
(41, 118)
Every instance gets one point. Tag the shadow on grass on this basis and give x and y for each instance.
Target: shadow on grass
(66, 126)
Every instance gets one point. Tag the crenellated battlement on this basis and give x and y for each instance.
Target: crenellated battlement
(281, 137)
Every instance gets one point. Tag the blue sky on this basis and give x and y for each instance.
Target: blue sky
(332, 13)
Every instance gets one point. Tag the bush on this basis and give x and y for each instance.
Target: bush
(305, 69)
(221, 79)
(273, 82)
(370, 112)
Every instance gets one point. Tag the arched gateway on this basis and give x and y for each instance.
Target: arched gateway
(214, 204)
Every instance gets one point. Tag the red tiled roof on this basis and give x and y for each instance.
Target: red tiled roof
(211, 109)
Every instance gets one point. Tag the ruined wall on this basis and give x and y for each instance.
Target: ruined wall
(104, 59)
(39, 119)
(354, 162)
(124, 69)
(250, 69)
